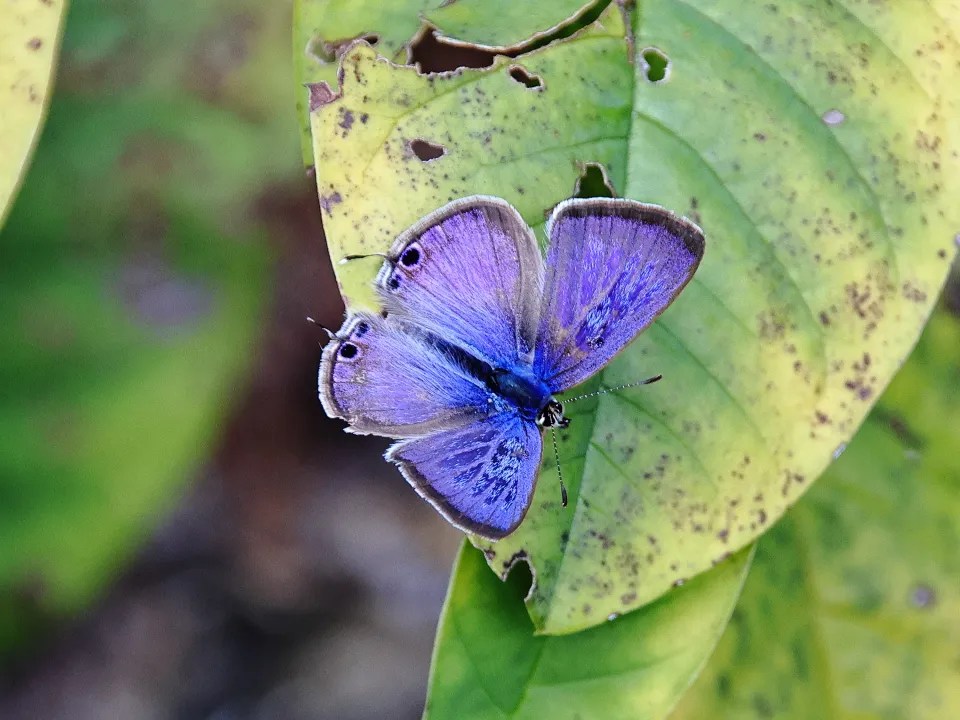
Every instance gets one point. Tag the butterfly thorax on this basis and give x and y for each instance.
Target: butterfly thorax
(530, 395)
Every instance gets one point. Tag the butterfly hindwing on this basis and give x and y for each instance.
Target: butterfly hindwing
(480, 476)
(612, 267)
(386, 378)
(471, 273)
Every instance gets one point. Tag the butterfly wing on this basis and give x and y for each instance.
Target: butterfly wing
(479, 476)
(471, 273)
(386, 378)
(613, 266)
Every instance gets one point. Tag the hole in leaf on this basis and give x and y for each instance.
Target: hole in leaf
(427, 151)
(520, 75)
(431, 55)
(656, 65)
(593, 182)
(519, 575)
(329, 51)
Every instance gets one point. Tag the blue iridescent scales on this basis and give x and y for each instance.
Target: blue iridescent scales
(480, 333)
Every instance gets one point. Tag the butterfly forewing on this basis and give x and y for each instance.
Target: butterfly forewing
(612, 267)
(472, 274)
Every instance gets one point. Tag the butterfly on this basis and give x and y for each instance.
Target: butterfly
(480, 334)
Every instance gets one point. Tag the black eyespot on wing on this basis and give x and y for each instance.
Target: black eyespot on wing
(348, 350)
(393, 283)
(361, 329)
(410, 257)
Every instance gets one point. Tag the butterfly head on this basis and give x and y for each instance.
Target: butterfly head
(552, 416)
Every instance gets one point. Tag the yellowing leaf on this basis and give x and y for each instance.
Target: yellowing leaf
(815, 145)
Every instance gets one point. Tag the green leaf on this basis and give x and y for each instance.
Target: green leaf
(488, 663)
(133, 282)
(29, 42)
(508, 26)
(827, 241)
(853, 607)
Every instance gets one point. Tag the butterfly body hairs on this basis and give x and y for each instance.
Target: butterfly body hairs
(480, 335)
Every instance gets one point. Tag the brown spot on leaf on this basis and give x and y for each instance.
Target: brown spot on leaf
(321, 94)
(913, 293)
(770, 325)
(346, 120)
(328, 201)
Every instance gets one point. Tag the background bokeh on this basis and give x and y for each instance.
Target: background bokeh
(165, 466)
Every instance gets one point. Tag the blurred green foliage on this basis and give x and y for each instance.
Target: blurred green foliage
(133, 278)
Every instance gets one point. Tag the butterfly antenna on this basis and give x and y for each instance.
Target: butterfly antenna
(613, 389)
(328, 331)
(556, 455)
(347, 258)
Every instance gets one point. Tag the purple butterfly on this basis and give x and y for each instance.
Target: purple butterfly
(480, 335)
